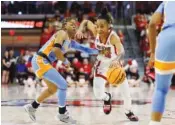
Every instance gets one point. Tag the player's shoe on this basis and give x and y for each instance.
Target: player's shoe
(31, 111)
(107, 107)
(131, 116)
(66, 118)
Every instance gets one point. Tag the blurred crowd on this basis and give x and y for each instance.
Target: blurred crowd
(65, 8)
(146, 7)
(17, 68)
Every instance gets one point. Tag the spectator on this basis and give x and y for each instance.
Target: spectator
(75, 7)
(86, 67)
(45, 36)
(70, 77)
(27, 56)
(51, 29)
(91, 14)
(30, 81)
(134, 78)
(87, 7)
(98, 7)
(76, 64)
(57, 26)
(5, 67)
(61, 6)
(21, 71)
(133, 74)
(67, 13)
(113, 9)
(82, 78)
(149, 76)
(13, 65)
(141, 24)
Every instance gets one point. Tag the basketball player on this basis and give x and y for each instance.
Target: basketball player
(110, 52)
(164, 55)
(53, 50)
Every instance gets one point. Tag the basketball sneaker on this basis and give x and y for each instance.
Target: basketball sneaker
(31, 111)
(107, 107)
(66, 118)
(131, 116)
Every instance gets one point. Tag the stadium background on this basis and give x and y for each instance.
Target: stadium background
(26, 26)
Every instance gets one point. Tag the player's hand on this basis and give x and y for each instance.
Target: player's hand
(151, 60)
(79, 35)
(115, 64)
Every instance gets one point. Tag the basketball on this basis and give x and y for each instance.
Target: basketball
(116, 75)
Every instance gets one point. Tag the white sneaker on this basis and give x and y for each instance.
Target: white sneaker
(66, 118)
(31, 111)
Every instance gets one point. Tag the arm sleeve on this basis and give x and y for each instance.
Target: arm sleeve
(77, 46)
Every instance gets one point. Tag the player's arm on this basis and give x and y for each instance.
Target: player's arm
(60, 37)
(152, 33)
(119, 49)
(86, 24)
(77, 46)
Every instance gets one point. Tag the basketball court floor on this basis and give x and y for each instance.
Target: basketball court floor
(82, 106)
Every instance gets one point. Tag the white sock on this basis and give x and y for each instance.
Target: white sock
(106, 97)
(61, 106)
(154, 123)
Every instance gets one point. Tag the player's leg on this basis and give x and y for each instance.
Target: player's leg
(163, 83)
(125, 91)
(52, 88)
(54, 77)
(164, 66)
(99, 92)
(54, 80)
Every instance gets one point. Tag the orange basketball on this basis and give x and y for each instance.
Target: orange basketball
(116, 75)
